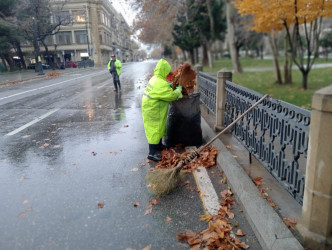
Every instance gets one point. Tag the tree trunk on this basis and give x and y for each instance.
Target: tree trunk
(210, 55)
(9, 61)
(20, 54)
(192, 56)
(197, 55)
(305, 74)
(288, 64)
(4, 62)
(275, 58)
(230, 12)
(205, 60)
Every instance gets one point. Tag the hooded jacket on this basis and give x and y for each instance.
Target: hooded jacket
(155, 101)
(117, 65)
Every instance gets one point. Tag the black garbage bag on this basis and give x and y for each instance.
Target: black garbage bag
(184, 122)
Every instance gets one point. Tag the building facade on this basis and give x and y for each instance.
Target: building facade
(92, 29)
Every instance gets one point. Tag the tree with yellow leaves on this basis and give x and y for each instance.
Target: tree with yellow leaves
(302, 20)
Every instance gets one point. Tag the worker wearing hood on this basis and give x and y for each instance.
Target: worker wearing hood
(155, 101)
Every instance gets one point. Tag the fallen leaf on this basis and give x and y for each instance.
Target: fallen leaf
(23, 214)
(258, 181)
(228, 147)
(168, 219)
(148, 211)
(101, 205)
(290, 222)
(25, 201)
(230, 215)
(134, 169)
(143, 164)
(206, 217)
(147, 247)
(136, 204)
(126, 126)
(239, 232)
(223, 180)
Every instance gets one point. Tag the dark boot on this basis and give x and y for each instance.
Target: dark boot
(153, 153)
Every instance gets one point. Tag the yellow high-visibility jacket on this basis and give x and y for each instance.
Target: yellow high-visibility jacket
(155, 101)
(118, 66)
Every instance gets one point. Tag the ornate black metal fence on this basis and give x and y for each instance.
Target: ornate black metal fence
(208, 89)
(275, 132)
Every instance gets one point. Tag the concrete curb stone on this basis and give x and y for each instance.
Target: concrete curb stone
(269, 228)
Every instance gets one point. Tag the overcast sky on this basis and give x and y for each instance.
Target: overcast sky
(124, 8)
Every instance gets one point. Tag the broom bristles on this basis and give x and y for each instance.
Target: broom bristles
(162, 181)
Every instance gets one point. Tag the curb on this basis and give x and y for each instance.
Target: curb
(268, 227)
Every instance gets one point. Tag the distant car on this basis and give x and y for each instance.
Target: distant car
(33, 66)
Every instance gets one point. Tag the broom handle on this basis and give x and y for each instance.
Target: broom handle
(230, 125)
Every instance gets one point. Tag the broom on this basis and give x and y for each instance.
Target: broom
(162, 181)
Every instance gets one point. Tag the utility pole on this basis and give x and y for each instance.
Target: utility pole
(35, 44)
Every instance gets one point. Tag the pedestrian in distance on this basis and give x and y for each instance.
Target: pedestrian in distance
(114, 66)
(155, 102)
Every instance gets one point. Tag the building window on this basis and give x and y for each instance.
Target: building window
(64, 37)
(100, 37)
(81, 36)
(49, 40)
(62, 17)
(79, 16)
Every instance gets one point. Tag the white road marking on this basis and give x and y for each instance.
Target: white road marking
(32, 122)
(51, 85)
(102, 86)
(208, 193)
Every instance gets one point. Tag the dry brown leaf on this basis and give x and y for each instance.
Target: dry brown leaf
(290, 222)
(147, 247)
(258, 181)
(101, 205)
(239, 232)
(168, 219)
(136, 204)
(148, 211)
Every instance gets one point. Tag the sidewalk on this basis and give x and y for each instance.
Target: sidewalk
(265, 220)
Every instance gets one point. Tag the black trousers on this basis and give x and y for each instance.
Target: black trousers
(116, 80)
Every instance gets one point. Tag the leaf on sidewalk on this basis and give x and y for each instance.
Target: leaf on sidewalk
(101, 205)
(136, 204)
(239, 232)
(168, 219)
(290, 222)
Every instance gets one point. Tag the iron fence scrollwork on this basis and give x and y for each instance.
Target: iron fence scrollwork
(275, 132)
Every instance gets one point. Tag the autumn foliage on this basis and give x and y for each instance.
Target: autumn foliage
(186, 77)
(219, 233)
(170, 159)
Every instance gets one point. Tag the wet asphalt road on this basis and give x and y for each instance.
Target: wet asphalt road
(70, 143)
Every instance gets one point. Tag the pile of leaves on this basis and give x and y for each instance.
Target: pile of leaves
(170, 158)
(219, 233)
(53, 74)
(186, 77)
